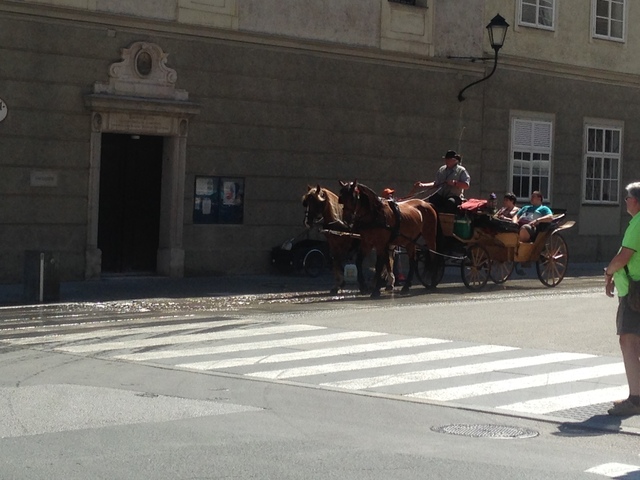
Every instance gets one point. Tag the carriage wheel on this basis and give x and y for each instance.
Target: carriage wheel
(429, 270)
(500, 271)
(553, 261)
(313, 262)
(475, 267)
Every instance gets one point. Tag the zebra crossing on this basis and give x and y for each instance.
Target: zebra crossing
(616, 470)
(496, 377)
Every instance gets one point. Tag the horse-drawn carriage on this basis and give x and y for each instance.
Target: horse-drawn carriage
(358, 219)
(489, 248)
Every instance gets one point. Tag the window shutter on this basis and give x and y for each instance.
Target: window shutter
(542, 135)
(522, 133)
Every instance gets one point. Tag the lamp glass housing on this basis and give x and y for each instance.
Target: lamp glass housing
(497, 29)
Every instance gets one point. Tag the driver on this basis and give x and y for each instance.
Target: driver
(453, 179)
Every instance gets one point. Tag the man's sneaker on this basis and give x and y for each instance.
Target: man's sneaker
(624, 408)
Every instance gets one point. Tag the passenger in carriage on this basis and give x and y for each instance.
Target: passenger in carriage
(453, 179)
(530, 216)
(388, 193)
(509, 209)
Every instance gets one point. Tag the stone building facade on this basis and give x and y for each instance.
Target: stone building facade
(177, 136)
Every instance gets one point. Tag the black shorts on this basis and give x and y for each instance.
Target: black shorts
(533, 231)
(627, 321)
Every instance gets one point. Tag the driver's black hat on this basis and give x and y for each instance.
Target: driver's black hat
(451, 154)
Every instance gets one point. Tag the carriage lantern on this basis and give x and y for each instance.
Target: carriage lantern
(497, 29)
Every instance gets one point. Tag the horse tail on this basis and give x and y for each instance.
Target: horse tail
(431, 230)
(439, 233)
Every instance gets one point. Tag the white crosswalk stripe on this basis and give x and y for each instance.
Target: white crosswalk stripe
(450, 372)
(380, 362)
(320, 353)
(615, 470)
(120, 332)
(571, 400)
(487, 388)
(493, 376)
(240, 347)
(178, 339)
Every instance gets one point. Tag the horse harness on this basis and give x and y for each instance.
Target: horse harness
(395, 229)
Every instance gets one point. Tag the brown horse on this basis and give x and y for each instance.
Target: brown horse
(321, 205)
(382, 223)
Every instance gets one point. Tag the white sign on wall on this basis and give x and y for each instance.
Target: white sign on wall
(44, 178)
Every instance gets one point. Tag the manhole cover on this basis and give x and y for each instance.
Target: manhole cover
(488, 431)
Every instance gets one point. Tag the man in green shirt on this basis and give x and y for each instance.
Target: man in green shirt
(627, 321)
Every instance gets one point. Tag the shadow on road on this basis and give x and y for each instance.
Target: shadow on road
(591, 427)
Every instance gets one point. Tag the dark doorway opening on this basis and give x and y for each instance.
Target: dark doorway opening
(129, 209)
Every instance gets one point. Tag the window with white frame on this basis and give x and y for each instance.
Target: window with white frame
(602, 157)
(531, 157)
(537, 13)
(609, 19)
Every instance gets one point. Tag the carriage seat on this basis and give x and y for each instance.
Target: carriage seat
(485, 220)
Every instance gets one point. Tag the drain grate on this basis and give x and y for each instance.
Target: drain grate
(584, 413)
(486, 431)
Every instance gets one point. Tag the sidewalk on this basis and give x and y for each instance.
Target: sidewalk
(112, 288)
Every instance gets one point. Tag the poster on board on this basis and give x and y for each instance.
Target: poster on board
(218, 200)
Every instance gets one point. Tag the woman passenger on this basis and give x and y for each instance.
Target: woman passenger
(509, 209)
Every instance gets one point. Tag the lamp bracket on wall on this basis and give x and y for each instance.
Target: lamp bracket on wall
(497, 30)
(471, 59)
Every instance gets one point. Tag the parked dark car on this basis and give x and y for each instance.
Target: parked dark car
(301, 254)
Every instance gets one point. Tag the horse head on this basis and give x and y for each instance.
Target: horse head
(359, 202)
(321, 205)
(314, 203)
(348, 198)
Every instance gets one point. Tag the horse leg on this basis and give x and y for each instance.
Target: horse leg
(411, 253)
(361, 281)
(381, 261)
(338, 275)
(390, 277)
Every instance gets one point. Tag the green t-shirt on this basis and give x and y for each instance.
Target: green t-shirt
(630, 240)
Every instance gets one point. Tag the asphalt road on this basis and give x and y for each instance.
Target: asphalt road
(103, 390)
(77, 418)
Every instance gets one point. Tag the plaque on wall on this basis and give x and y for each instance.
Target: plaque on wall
(43, 178)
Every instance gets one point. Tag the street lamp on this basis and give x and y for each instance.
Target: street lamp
(497, 29)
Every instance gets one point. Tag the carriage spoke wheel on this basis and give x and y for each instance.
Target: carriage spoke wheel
(429, 269)
(553, 261)
(313, 262)
(500, 271)
(475, 267)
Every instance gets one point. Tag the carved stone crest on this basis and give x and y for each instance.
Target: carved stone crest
(142, 72)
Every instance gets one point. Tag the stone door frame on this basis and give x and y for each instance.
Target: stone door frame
(141, 99)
